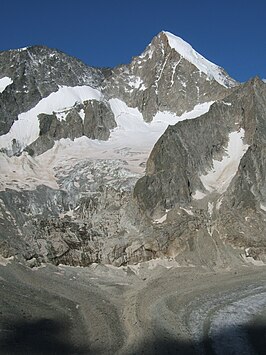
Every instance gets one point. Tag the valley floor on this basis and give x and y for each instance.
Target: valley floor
(133, 310)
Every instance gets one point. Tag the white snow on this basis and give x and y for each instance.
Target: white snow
(4, 82)
(22, 49)
(131, 141)
(187, 211)
(219, 178)
(204, 65)
(169, 118)
(82, 114)
(219, 203)
(26, 129)
(161, 220)
(227, 103)
(61, 115)
(198, 195)
(263, 207)
(135, 82)
(210, 208)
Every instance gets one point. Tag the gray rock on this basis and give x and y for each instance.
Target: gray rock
(37, 72)
(98, 122)
(104, 213)
(161, 80)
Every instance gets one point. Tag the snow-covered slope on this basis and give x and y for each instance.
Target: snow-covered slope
(26, 129)
(223, 171)
(131, 141)
(204, 65)
(4, 82)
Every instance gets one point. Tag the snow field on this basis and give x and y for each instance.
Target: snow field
(131, 141)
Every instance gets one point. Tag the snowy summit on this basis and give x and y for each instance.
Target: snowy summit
(204, 65)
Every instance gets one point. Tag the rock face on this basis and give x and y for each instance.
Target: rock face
(73, 185)
(93, 119)
(190, 151)
(36, 72)
(161, 79)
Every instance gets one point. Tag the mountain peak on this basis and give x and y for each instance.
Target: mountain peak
(212, 70)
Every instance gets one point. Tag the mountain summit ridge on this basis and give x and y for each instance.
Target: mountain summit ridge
(204, 65)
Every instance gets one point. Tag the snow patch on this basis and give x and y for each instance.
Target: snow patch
(219, 203)
(22, 49)
(26, 129)
(210, 208)
(227, 103)
(5, 261)
(135, 82)
(61, 116)
(198, 195)
(262, 207)
(4, 83)
(82, 114)
(161, 220)
(171, 119)
(222, 173)
(187, 211)
(204, 65)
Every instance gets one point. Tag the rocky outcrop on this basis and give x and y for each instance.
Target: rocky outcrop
(187, 150)
(93, 119)
(185, 154)
(99, 120)
(36, 72)
(161, 79)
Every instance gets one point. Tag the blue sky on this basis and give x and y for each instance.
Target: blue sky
(231, 34)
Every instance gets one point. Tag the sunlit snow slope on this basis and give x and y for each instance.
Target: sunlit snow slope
(131, 141)
(204, 65)
(4, 82)
(26, 129)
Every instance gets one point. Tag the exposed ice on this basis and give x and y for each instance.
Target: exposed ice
(230, 321)
(222, 318)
